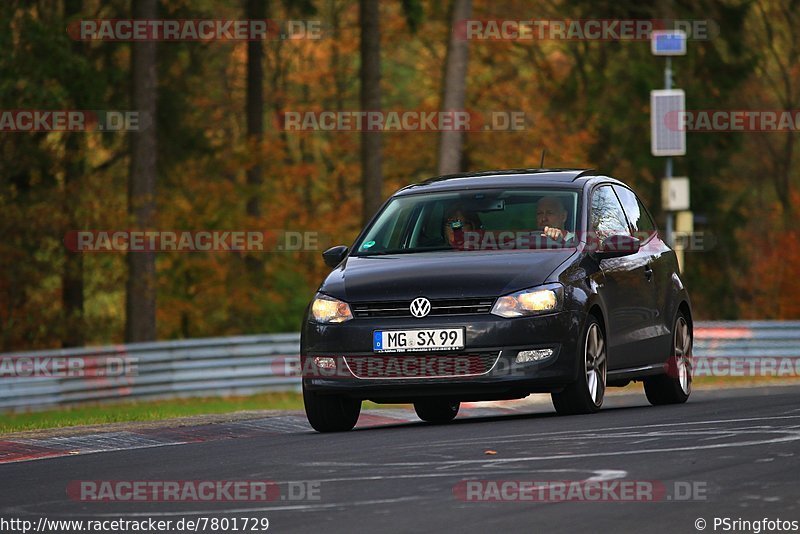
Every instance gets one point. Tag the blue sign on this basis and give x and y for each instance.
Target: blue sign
(668, 43)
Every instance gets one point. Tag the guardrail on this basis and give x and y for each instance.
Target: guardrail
(239, 365)
(751, 339)
(245, 365)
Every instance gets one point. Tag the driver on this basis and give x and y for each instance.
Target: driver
(551, 216)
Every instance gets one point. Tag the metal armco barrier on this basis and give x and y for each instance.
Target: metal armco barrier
(252, 364)
(198, 367)
(742, 339)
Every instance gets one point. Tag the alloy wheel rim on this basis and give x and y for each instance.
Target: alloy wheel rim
(683, 355)
(595, 362)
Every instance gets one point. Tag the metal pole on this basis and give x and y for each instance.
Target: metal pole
(668, 74)
(668, 172)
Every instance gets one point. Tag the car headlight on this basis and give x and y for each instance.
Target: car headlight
(542, 299)
(327, 309)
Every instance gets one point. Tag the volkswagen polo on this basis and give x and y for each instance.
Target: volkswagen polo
(495, 285)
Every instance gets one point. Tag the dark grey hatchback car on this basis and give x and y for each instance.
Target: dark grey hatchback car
(495, 285)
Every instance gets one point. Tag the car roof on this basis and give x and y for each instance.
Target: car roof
(572, 178)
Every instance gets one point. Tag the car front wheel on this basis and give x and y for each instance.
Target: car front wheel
(675, 386)
(585, 395)
(331, 413)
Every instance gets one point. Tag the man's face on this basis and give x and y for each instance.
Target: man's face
(550, 212)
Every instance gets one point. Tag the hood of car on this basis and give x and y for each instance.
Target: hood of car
(448, 274)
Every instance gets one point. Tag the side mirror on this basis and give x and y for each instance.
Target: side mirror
(616, 246)
(334, 255)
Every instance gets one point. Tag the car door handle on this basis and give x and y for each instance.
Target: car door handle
(648, 272)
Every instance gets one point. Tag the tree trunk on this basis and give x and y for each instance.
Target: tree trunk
(72, 275)
(371, 157)
(454, 90)
(140, 305)
(340, 88)
(256, 9)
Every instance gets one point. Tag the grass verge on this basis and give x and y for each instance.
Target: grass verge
(95, 414)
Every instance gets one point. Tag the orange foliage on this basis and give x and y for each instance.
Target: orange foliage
(771, 280)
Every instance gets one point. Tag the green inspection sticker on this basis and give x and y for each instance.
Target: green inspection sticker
(368, 244)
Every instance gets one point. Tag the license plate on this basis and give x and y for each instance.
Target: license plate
(418, 340)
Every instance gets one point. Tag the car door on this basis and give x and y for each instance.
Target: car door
(627, 292)
(655, 253)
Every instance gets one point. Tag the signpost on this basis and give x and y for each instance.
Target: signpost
(668, 138)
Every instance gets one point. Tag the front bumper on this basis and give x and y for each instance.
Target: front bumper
(485, 333)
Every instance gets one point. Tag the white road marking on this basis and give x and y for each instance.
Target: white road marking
(607, 474)
(317, 506)
(794, 436)
(598, 432)
(599, 475)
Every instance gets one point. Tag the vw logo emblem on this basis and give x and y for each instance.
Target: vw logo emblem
(420, 307)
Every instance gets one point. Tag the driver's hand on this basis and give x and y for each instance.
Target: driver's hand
(556, 234)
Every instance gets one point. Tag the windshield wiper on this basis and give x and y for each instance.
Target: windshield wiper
(405, 251)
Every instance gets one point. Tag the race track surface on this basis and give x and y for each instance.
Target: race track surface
(731, 453)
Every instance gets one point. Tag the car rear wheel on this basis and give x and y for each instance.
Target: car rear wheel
(675, 386)
(331, 413)
(437, 410)
(585, 395)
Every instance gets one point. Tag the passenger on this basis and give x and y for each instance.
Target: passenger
(461, 227)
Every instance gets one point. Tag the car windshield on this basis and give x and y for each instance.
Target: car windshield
(496, 219)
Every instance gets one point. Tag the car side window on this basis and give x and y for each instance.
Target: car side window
(646, 224)
(607, 218)
(641, 223)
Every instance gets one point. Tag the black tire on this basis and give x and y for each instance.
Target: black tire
(331, 413)
(675, 386)
(437, 410)
(581, 397)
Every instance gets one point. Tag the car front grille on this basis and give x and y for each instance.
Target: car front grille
(438, 307)
(416, 365)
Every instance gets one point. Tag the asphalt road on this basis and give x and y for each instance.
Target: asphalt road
(729, 453)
